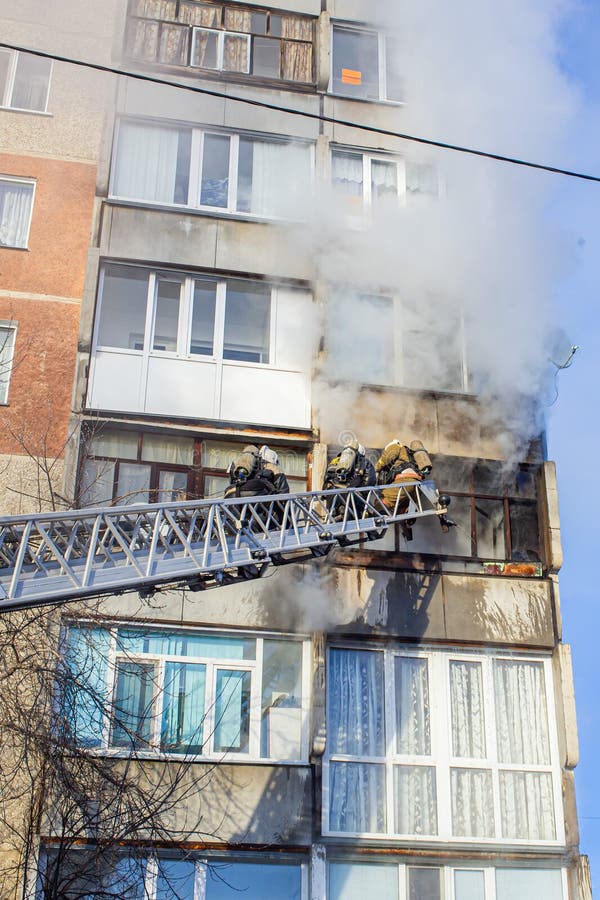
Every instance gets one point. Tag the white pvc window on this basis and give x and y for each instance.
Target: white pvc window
(216, 171)
(8, 333)
(189, 693)
(461, 747)
(24, 81)
(367, 178)
(16, 206)
(364, 65)
(225, 51)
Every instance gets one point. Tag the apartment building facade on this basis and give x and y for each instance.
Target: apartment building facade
(399, 719)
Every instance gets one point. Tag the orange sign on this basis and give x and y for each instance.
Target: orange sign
(351, 76)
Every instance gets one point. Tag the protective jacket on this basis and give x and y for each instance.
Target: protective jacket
(255, 473)
(401, 464)
(350, 469)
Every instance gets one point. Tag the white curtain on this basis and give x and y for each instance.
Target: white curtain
(521, 715)
(466, 699)
(7, 345)
(114, 442)
(412, 706)
(527, 806)
(415, 806)
(97, 482)
(384, 179)
(270, 177)
(134, 483)
(146, 162)
(15, 209)
(472, 803)
(347, 173)
(357, 792)
(179, 451)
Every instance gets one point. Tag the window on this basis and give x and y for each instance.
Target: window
(233, 40)
(187, 692)
(487, 748)
(356, 880)
(16, 204)
(79, 873)
(8, 333)
(363, 178)
(24, 80)
(120, 466)
(233, 173)
(364, 65)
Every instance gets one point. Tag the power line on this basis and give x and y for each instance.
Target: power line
(333, 120)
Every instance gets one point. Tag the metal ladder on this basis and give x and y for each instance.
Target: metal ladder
(54, 557)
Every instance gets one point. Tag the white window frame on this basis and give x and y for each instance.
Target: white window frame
(7, 343)
(382, 37)
(196, 162)
(30, 182)
(447, 883)
(5, 99)
(185, 320)
(213, 665)
(368, 158)
(441, 758)
(221, 35)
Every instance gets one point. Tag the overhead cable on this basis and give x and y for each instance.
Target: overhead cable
(333, 120)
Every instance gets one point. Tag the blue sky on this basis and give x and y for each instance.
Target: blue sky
(574, 420)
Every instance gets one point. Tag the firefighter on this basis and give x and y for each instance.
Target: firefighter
(351, 468)
(255, 473)
(402, 464)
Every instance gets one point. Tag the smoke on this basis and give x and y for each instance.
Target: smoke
(470, 257)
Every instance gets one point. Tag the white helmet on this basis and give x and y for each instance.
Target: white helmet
(269, 456)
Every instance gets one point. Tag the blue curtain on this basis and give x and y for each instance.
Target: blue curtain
(135, 640)
(86, 664)
(183, 707)
(132, 711)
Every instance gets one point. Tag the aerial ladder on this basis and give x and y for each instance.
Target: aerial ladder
(58, 556)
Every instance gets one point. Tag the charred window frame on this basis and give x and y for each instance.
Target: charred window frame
(223, 40)
(110, 459)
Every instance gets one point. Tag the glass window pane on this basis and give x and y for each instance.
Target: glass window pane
(393, 70)
(412, 706)
(236, 51)
(472, 803)
(84, 689)
(183, 707)
(355, 792)
(415, 810)
(265, 57)
(232, 711)
(152, 163)
(205, 50)
(355, 703)
(15, 213)
(527, 806)
(214, 188)
(203, 318)
(429, 538)
(347, 173)
(247, 322)
(166, 319)
(355, 64)
(32, 77)
(253, 881)
(123, 307)
(273, 177)
(97, 482)
(186, 643)
(172, 486)
(275, 24)
(521, 713)
(218, 454)
(133, 484)
(5, 60)
(468, 720)
(281, 732)
(259, 22)
(368, 323)
(114, 442)
(175, 880)
(524, 531)
(469, 884)
(514, 884)
(178, 451)
(132, 710)
(215, 486)
(490, 529)
(356, 881)
(384, 180)
(423, 884)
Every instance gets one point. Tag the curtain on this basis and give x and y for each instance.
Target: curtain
(173, 44)
(356, 703)
(466, 702)
(232, 711)
(133, 704)
(84, 688)
(15, 209)
(97, 482)
(133, 484)
(472, 803)
(415, 803)
(527, 806)
(521, 715)
(296, 61)
(142, 39)
(32, 77)
(280, 178)
(236, 53)
(146, 164)
(178, 451)
(384, 179)
(183, 707)
(357, 797)
(237, 20)
(114, 442)
(7, 344)
(347, 173)
(197, 14)
(412, 706)
(184, 643)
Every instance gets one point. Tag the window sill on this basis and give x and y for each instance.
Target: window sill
(10, 247)
(394, 103)
(246, 79)
(209, 212)
(221, 758)
(29, 112)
